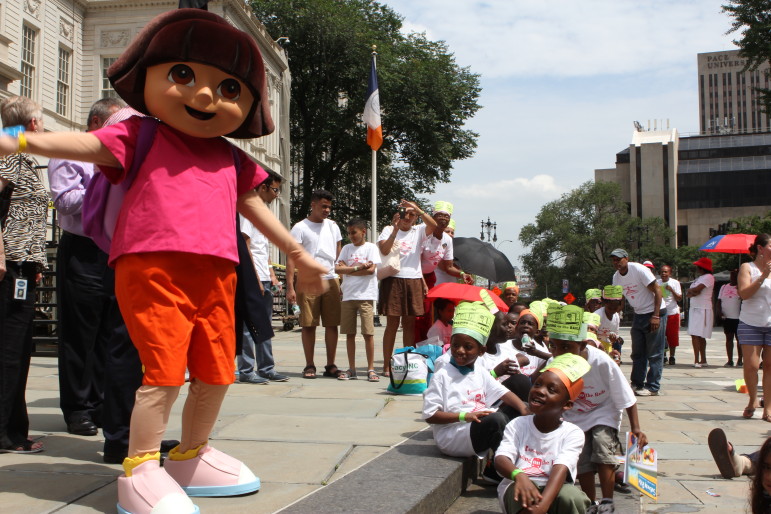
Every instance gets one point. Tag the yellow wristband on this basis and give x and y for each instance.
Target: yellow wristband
(22, 139)
(514, 473)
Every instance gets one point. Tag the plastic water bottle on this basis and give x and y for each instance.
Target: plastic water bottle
(295, 309)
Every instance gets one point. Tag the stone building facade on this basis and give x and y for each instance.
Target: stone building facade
(57, 53)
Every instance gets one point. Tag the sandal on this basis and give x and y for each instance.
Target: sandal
(27, 446)
(718, 446)
(331, 370)
(386, 373)
(372, 376)
(748, 412)
(766, 417)
(309, 372)
(346, 375)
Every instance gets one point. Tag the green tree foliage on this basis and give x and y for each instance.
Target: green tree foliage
(752, 20)
(425, 99)
(751, 224)
(572, 238)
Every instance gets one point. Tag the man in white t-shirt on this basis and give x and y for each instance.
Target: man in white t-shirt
(648, 326)
(255, 362)
(321, 238)
(728, 306)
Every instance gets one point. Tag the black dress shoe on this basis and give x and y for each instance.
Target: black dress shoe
(117, 458)
(83, 426)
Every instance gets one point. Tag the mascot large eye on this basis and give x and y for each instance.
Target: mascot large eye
(182, 74)
(230, 89)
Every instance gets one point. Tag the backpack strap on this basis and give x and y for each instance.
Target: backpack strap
(148, 126)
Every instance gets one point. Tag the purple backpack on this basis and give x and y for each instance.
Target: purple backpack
(103, 200)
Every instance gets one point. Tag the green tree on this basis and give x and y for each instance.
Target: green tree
(752, 20)
(572, 238)
(751, 224)
(425, 100)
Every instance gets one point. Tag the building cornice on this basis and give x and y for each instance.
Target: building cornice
(9, 72)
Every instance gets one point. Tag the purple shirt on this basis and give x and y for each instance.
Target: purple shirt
(68, 181)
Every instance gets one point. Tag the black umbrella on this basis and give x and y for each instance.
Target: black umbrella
(480, 258)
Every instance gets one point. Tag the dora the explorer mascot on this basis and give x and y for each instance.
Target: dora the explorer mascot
(174, 250)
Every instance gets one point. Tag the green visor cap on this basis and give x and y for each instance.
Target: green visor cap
(441, 206)
(612, 292)
(473, 319)
(566, 322)
(593, 294)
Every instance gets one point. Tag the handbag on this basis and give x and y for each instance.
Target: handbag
(5, 196)
(411, 371)
(389, 265)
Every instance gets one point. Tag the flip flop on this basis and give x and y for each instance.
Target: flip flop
(332, 371)
(718, 446)
(27, 446)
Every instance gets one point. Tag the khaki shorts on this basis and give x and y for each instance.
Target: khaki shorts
(348, 311)
(601, 446)
(325, 306)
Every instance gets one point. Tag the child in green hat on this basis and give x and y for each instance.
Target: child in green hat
(458, 402)
(538, 454)
(598, 409)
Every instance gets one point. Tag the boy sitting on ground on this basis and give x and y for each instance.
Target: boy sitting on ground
(539, 453)
(597, 410)
(458, 401)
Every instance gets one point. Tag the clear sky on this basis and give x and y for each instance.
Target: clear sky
(562, 83)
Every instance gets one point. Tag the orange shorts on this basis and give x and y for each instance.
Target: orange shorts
(179, 311)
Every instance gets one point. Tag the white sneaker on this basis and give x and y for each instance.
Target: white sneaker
(643, 392)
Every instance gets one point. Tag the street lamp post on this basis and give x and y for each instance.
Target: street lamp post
(488, 227)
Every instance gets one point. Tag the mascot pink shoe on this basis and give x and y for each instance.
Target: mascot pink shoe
(204, 471)
(148, 489)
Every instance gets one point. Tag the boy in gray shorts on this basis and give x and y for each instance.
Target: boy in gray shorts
(598, 409)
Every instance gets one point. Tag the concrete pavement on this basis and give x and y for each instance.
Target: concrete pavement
(302, 435)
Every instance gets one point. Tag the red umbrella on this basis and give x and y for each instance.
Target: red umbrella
(465, 292)
(729, 243)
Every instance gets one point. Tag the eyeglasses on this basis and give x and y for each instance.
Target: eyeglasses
(276, 190)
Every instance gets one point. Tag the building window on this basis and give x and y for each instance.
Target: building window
(28, 39)
(107, 90)
(63, 83)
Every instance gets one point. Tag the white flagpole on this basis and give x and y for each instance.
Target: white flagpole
(373, 230)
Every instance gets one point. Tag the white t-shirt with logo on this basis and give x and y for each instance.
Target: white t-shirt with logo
(507, 350)
(440, 330)
(703, 300)
(410, 244)
(536, 452)
(359, 287)
(635, 284)
(258, 247)
(669, 298)
(451, 391)
(320, 240)
(730, 301)
(434, 251)
(607, 325)
(605, 396)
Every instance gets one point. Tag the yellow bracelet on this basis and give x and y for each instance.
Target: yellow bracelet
(22, 139)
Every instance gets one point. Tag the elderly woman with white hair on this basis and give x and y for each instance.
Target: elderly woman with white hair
(23, 212)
